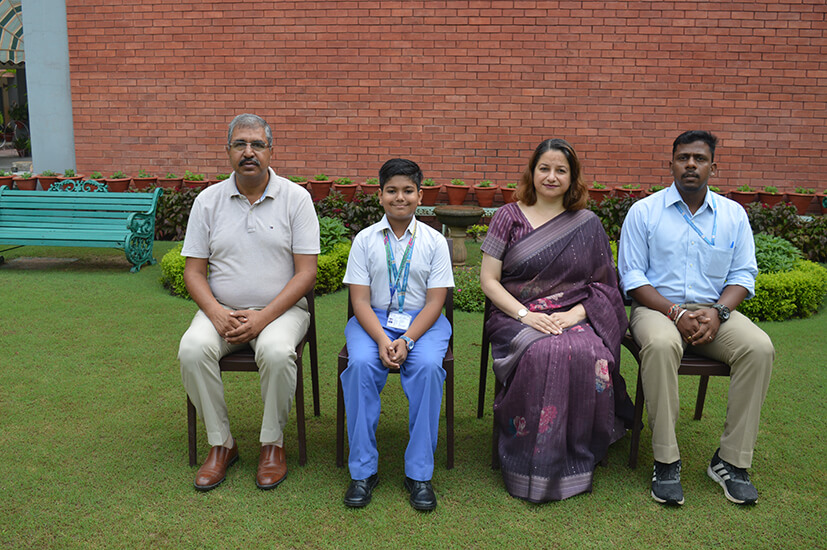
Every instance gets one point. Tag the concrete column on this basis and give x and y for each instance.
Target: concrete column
(46, 42)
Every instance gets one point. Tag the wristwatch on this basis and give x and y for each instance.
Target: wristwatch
(521, 314)
(409, 343)
(723, 312)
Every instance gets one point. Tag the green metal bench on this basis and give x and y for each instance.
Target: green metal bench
(80, 213)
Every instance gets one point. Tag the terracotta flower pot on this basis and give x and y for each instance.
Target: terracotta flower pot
(118, 185)
(770, 199)
(370, 188)
(47, 181)
(143, 183)
(195, 184)
(801, 201)
(170, 183)
(7, 181)
(319, 189)
(347, 190)
(456, 193)
(625, 192)
(508, 194)
(25, 184)
(597, 195)
(430, 193)
(485, 195)
(76, 177)
(743, 197)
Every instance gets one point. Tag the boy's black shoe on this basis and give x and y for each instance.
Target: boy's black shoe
(735, 481)
(360, 491)
(666, 483)
(422, 494)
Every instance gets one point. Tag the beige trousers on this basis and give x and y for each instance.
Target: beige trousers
(275, 349)
(745, 347)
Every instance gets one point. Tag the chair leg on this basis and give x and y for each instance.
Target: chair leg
(314, 372)
(449, 410)
(340, 418)
(495, 436)
(637, 423)
(699, 403)
(483, 375)
(300, 424)
(191, 432)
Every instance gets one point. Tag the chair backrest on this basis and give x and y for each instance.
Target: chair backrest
(449, 299)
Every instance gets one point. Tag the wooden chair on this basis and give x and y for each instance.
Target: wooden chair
(691, 364)
(244, 360)
(447, 365)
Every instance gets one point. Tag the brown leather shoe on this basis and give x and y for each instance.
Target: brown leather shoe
(272, 467)
(212, 472)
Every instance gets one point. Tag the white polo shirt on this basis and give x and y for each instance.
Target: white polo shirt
(430, 264)
(250, 247)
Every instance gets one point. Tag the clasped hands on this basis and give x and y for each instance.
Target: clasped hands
(700, 326)
(238, 327)
(393, 353)
(555, 323)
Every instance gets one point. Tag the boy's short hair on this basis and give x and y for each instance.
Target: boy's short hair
(400, 167)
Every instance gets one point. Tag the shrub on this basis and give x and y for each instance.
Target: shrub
(780, 296)
(612, 211)
(468, 295)
(172, 272)
(774, 254)
(331, 268)
(363, 210)
(809, 235)
(477, 232)
(173, 213)
(331, 232)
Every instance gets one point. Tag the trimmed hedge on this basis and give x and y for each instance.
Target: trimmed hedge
(329, 275)
(780, 296)
(468, 295)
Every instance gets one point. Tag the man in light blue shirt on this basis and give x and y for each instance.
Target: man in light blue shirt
(687, 259)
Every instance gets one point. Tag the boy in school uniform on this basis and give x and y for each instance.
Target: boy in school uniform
(399, 272)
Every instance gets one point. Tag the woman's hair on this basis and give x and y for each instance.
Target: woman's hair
(577, 194)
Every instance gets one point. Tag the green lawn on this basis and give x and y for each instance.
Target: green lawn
(93, 433)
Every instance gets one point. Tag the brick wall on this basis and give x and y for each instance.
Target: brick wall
(465, 88)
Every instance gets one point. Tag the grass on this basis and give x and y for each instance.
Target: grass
(93, 432)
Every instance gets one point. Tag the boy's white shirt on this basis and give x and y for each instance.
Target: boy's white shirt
(430, 263)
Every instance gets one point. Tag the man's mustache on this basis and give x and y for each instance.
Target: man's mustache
(254, 161)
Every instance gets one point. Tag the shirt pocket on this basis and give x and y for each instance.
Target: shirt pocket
(717, 261)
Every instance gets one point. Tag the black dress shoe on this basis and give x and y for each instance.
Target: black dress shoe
(359, 492)
(422, 494)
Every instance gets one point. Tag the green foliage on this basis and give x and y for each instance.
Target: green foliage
(805, 191)
(485, 183)
(513, 185)
(457, 182)
(172, 272)
(774, 253)
(331, 268)
(320, 177)
(477, 232)
(191, 176)
(630, 186)
(295, 179)
(375, 181)
(343, 181)
(780, 296)
(468, 295)
(5, 173)
(118, 175)
(222, 177)
(170, 176)
(771, 189)
(144, 174)
(656, 188)
(612, 211)
(173, 213)
(26, 175)
(712, 188)
(809, 235)
(595, 185)
(332, 231)
(360, 212)
(96, 175)
(48, 174)
(745, 189)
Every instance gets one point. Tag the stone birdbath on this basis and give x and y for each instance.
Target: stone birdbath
(457, 219)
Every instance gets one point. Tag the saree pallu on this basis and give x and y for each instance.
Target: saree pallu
(564, 400)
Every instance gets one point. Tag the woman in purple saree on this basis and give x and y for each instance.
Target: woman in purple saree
(555, 331)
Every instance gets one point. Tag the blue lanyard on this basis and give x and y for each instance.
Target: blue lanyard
(698, 229)
(404, 270)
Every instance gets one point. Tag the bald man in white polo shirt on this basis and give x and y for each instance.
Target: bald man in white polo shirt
(251, 248)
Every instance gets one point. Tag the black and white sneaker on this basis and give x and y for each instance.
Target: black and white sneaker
(735, 481)
(666, 483)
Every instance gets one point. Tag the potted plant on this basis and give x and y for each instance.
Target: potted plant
(743, 195)
(220, 178)
(118, 182)
(301, 180)
(629, 190)
(6, 178)
(457, 191)
(770, 196)
(823, 200)
(346, 187)
(715, 189)
(484, 192)
(371, 186)
(320, 187)
(144, 180)
(801, 199)
(508, 191)
(70, 174)
(46, 179)
(25, 182)
(170, 181)
(97, 176)
(654, 189)
(430, 192)
(23, 146)
(194, 181)
(598, 192)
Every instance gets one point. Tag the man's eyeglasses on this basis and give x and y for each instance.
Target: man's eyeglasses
(257, 146)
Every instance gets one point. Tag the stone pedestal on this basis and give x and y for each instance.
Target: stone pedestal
(458, 219)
